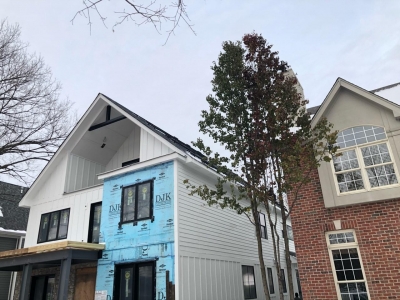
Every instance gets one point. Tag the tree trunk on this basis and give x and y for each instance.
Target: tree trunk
(287, 258)
(260, 252)
(275, 244)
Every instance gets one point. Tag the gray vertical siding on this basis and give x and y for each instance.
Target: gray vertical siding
(213, 244)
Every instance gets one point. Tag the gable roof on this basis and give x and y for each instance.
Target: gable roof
(85, 122)
(165, 135)
(341, 83)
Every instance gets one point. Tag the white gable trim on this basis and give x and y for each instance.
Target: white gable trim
(76, 134)
(356, 89)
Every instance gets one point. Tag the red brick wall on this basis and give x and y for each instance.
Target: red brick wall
(377, 228)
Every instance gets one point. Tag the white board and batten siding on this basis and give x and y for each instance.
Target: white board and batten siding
(213, 244)
(129, 150)
(79, 204)
(151, 147)
(82, 173)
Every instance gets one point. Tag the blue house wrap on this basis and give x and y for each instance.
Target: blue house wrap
(145, 241)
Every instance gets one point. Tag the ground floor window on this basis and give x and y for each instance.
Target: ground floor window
(271, 286)
(135, 281)
(283, 280)
(347, 265)
(298, 282)
(249, 282)
(42, 287)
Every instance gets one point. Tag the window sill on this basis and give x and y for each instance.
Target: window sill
(379, 188)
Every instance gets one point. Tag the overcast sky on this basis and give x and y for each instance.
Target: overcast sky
(167, 84)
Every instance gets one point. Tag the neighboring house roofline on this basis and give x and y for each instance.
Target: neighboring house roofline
(174, 143)
(313, 110)
(340, 82)
(385, 87)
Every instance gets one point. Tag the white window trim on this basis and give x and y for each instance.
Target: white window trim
(362, 168)
(345, 246)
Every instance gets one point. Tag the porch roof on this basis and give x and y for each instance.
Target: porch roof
(49, 255)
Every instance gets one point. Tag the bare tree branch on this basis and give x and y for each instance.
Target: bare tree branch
(155, 13)
(33, 121)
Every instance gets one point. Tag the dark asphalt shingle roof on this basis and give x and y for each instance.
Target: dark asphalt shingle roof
(14, 217)
(313, 110)
(385, 87)
(170, 138)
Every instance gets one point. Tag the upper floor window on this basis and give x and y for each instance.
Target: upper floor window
(365, 162)
(263, 226)
(137, 202)
(289, 232)
(54, 226)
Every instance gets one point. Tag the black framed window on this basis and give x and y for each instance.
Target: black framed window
(263, 226)
(135, 282)
(249, 282)
(54, 226)
(271, 286)
(137, 202)
(42, 287)
(94, 223)
(283, 280)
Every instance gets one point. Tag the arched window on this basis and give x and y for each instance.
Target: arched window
(365, 162)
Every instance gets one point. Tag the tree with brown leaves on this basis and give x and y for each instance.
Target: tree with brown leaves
(257, 114)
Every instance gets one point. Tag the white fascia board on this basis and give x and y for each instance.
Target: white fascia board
(395, 108)
(142, 126)
(141, 165)
(11, 233)
(326, 102)
(74, 137)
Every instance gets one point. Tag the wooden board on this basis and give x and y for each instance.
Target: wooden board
(85, 283)
(52, 247)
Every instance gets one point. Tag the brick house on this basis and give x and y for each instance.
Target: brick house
(346, 224)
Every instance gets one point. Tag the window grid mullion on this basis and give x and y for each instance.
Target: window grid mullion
(364, 174)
